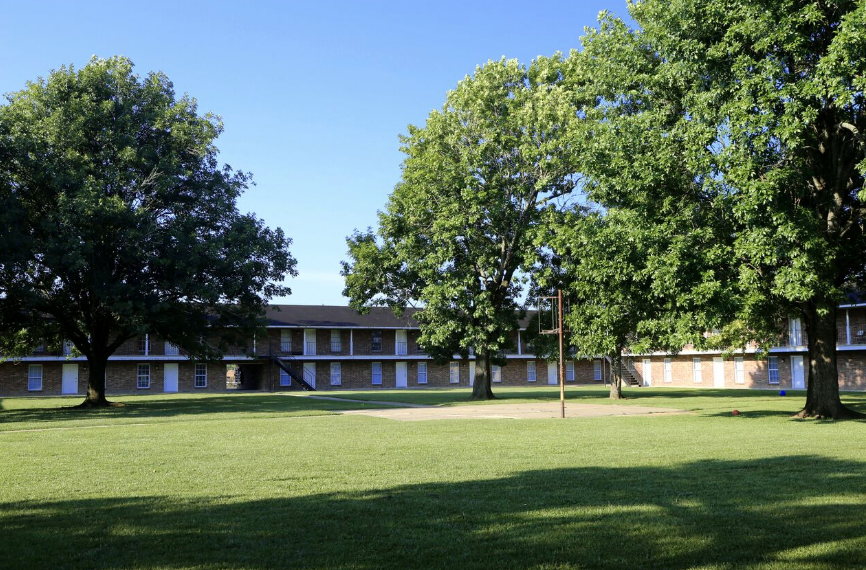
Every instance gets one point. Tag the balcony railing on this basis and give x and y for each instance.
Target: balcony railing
(286, 346)
(401, 348)
(171, 350)
(336, 346)
(310, 348)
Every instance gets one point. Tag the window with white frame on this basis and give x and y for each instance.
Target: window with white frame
(34, 378)
(285, 378)
(285, 341)
(201, 375)
(774, 369)
(795, 332)
(336, 374)
(697, 375)
(530, 371)
(569, 371)
(739, 370)
(497, 373)
(596, 369)
(377, 373)
(422, 372)
(454, 373)
(143, 376)
(336, 343)
(668, 373)
(376, 345)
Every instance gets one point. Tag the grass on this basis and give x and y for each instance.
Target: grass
(253, 481)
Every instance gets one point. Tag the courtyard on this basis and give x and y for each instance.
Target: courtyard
(278, 481)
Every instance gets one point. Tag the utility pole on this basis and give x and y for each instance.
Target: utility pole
(558, 329)
(561, 360)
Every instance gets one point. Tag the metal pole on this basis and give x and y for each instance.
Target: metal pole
(561, 360)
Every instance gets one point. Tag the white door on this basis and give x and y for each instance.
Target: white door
(552, 377)
(69, 382)
(401, 346)
(170, 378)
(647, 372)
(401, 375)
(472, 373)
(798, 377)
(309, 341)
(310, 373)
(718, 372)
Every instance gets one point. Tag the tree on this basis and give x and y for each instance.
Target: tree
(124, 222)
(767, 100)
(458, 228)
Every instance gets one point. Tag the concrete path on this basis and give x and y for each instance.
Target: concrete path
(542, 410)
(374, 402)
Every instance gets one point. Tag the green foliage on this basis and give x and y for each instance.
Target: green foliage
(458, 229)
(118, 219)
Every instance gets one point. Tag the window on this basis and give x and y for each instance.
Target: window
(697, 376)
(497, 373)
(377, 373)
(569, 371)
(795, 333)
(201, 375)
(530, 371)
(286, 341)
(667, 370)
(377, 341)
(454, 373)
(34, 378)
(336, 374)
(739, 372)
(285, 379)
(143, 377)
(774, 370)
(144, 344)
(422, 372)
(596, 369)
(336, 344)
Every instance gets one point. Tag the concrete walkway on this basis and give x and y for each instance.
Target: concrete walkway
(373, 402)
(543, 410)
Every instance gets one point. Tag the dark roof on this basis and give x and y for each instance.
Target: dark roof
(855, 297)
(331, 316)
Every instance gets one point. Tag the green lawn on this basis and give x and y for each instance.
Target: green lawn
(271, 481)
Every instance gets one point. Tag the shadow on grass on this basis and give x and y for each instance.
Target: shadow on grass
(794, 512)
(169, 406)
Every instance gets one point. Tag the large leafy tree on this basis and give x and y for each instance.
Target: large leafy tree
(119, 221)
(767, 100)
(458, 229)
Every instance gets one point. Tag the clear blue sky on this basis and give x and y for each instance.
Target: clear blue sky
(313, 95)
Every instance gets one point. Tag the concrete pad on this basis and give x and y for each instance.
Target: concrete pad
(542, 410)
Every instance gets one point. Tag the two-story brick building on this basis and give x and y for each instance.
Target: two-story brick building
(329, 347)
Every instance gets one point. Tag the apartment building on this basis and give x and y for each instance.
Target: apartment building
(331, 347)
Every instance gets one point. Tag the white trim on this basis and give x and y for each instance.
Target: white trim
(847, 327)
(667, 370)
(418, 379)
(530, 364)
(30, 376)
(739, 370)
(519, 346)
(351, 342)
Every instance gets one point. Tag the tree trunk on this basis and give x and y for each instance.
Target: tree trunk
(96, 384)
(822, 390)
(616, 381)
(481, 389)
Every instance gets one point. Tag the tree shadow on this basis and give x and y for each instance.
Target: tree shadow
(794, 511)
(173, 407)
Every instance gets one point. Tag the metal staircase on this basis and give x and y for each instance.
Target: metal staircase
(299, 378)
